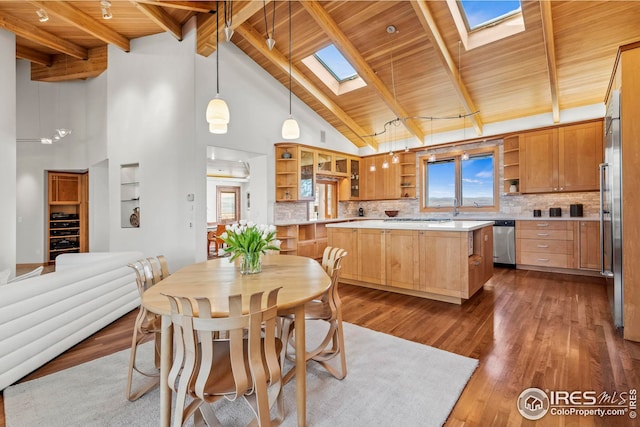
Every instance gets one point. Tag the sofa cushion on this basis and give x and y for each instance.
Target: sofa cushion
(33, 273)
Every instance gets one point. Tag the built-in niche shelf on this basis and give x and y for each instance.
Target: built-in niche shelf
(130, 195)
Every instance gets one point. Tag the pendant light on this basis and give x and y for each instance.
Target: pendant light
(217, 110)
(228, 20)
(290, 128)
(271, 42)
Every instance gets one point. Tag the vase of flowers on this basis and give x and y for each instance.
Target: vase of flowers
(249, 241)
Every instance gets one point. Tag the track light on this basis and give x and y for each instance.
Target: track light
(105, 6)
(432, 158)
(47, 141)
(465, 156)
(43, 16)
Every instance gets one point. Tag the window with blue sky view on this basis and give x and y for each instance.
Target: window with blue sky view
(336, 63)
(479, 13)
(476, 182)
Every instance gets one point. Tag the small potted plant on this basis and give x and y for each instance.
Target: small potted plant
(249, 241)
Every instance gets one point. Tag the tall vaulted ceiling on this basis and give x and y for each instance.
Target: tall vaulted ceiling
(563, 59)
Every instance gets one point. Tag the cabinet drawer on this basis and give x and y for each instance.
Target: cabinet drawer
(545, 234)
(543, 225)
(545, 260)
(546, 246)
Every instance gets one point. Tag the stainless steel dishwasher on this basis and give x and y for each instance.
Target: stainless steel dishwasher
(504, 243)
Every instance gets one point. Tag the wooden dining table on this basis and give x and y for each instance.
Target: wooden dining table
(301, 279)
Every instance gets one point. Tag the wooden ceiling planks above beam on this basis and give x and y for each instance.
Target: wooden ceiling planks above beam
(44, 38)
(344, 45)
(193, 6)
(161, 18)
(206, 34)
(81, 20)
(278, 59)
(550, 49)
(431, 28)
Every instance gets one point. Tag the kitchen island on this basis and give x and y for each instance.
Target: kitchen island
(442, 260)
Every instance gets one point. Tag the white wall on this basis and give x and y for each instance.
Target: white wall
(7, 151)
(150, 109)
(41, 108)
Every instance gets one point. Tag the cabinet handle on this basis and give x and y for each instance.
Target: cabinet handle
(476, 263)
(542, 224)
(543, 246)
(543, 234)
(543, 259)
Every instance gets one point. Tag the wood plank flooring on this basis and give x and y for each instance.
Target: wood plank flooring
(527, 328)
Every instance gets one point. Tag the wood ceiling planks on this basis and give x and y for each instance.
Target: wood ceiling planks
(504, 80)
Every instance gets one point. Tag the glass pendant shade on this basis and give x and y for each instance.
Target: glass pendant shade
(395, 159)
(217, 111)
(217, 128)
(290, 129)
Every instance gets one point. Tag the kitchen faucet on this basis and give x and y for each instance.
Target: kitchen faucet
(455, 207)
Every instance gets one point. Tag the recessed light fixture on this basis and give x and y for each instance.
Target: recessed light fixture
(43, 16)
(105, 6)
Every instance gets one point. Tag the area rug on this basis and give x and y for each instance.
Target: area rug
(390, 382)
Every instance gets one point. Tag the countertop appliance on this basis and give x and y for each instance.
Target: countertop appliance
(504, 243)
(611, 210)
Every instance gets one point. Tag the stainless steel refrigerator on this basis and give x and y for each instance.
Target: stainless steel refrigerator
(611, 210)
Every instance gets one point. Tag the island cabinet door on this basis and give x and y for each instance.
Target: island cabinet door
(401, 258)
(347, 239)
(372, 256)
(443, 262)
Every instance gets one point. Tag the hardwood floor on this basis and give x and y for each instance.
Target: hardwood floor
(528, 329)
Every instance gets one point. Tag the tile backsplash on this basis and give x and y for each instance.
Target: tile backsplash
(510, 205)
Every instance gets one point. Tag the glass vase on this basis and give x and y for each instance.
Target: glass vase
(251, 263)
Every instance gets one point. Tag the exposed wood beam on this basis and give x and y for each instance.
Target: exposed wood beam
(32, 55)
(84, 22)
(65, 68)
(37, 35)
(161, 18)
(278, 59)
(550, 49)
(429, 24)
(194, 6)
(206, 32)
(344, 45)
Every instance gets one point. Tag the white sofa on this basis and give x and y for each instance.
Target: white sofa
(41, 317)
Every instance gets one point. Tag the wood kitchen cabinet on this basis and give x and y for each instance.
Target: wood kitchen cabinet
(287, 157)
(589, 245)
(347, 239)
(546, 244)
(402, 269)
(371, 268)
(439, 254)
(561, 159)
(368, 178)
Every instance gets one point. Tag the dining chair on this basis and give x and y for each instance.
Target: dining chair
(219, 242)
(211, 238)
(149, 272)
(245, 363)
(327, 308)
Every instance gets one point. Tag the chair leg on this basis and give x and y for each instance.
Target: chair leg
(155, 377)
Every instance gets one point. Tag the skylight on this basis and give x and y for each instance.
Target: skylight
(480, 22)
(331, 58)
(484, 13)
